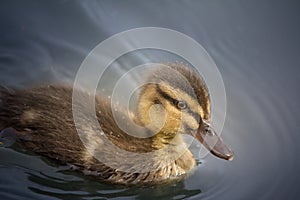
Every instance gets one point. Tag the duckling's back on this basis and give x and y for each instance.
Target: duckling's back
(43, 123)
(42, 118)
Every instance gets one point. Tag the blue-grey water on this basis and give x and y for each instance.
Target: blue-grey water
(256, 46)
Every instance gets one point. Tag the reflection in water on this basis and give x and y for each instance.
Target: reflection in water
(60, 182)
(88, 188)
(254, 44)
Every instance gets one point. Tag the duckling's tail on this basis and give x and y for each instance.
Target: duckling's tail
(4, 93)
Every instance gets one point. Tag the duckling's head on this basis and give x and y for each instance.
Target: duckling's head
(176, 101)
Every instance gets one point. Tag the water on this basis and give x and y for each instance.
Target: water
(255, 44)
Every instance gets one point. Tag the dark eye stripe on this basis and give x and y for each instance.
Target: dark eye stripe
(166, 96)
(174, 102)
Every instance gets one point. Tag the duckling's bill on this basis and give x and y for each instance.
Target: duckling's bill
(213, 142)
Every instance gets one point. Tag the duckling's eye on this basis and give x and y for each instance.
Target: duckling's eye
(181, 105)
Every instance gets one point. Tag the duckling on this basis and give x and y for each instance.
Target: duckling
(43, 122)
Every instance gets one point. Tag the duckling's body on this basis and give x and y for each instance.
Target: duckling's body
(43, 120)
(53, 134)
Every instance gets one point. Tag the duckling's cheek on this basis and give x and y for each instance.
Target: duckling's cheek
(172, 123)
(190, 121)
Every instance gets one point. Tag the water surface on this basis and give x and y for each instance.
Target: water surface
(255, 45)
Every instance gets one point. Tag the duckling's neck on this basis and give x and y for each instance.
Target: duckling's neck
(175, 149)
